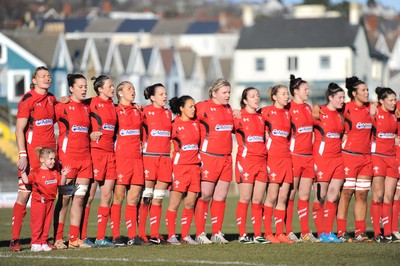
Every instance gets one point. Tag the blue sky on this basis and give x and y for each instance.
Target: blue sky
(391, 3)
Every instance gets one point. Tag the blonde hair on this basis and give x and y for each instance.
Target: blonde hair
(274, 91)
(216, 85)
(32, 86)
(44, 152)
(120, 87)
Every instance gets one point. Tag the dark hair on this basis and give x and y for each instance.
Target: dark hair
(332, 89)
(151, 90)
(99, 82)
(175, 103)
(72, 78)
(351, 85)
(244, 96)
(274, 90)
(32, 86)
(384, 92)
(295, 83)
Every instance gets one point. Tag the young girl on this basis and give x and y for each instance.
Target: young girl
(44, 182)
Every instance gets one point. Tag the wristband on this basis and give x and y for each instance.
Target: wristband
(23, 155)
(22, 152)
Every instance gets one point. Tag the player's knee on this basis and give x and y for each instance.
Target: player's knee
(81, 190)
(147, 195)
(159, 194)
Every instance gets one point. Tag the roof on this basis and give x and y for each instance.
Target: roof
(102, 46)
(203, 27)
(70, 25)
(171, 27)
(298, 33)
(137, 25)
(40, 45)
(76, 49)
(102, 24)
(226, 67)
(125, 51)
(167, 56)
(188, 58)
(146, 53)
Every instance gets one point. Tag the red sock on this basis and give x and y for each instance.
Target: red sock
(302, 210)
(18, 215)
(268, 220)
(186, 220)
(85, 222)
(200, 215)
(360, 227)
(241, 217)
(60, 231)
(387, 218)
(341, 226)
(131, 220)
(318, 216)
(143, 212)
(289, 216)
(102, 220)
(155, 219)
(279, 220)
(329, 215)
(395, 215)
(376, 214)
(116, 220)
(256, 218)
(73, 232)
(217, 216)
(170, 218)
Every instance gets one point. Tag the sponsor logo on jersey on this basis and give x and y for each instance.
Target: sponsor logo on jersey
(384, 135)
(129, 132)
(255, 139)
(305, 129)
(223, 127)
(333, 135)
(160, 133)
(108, 127)
(49, 182)
(280, 133)
(44, 122)
(190, 147)
(82, 129)
(363, 125)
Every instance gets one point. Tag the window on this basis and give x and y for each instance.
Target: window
(17, 83)
(325, 62)
(260, 64)
(292, 63)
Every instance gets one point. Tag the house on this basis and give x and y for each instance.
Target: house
(320, 50)
(194, 75)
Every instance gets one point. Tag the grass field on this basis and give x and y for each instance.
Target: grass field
(230, 254)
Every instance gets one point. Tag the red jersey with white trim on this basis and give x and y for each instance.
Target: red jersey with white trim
(39, 110)
(277, 124)
(73, 124)
(384, 133)
(358, 126)
(44, 184)
(104, 119)
(398, 133)
(250, 136)
(216, 127)
(186, 139)
(302, 128)
(157, 125)
(128, 141)
(328, 132)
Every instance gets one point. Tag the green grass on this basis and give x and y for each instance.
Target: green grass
(230, 254)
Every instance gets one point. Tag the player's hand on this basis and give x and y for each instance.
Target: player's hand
(316, 111)
(397, 141)
(138, 106)
(63, 99)
(22, 163)
(95, 136)
(66, 170)
(236, 114)
(397, 112)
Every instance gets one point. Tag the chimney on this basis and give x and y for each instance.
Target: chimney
(354, 13)
(248, 16)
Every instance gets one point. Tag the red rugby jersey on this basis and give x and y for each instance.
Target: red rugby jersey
(250, 136)
(328, 132)
(358, 126)
(216, 127)
(104, 119)
(128, 141)
(384, 133)
(157, 125)
(39, 110)
(186, 139)
(398, 133)
(302, 128)
(277, 124)
(44, 184)
(73, 124)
